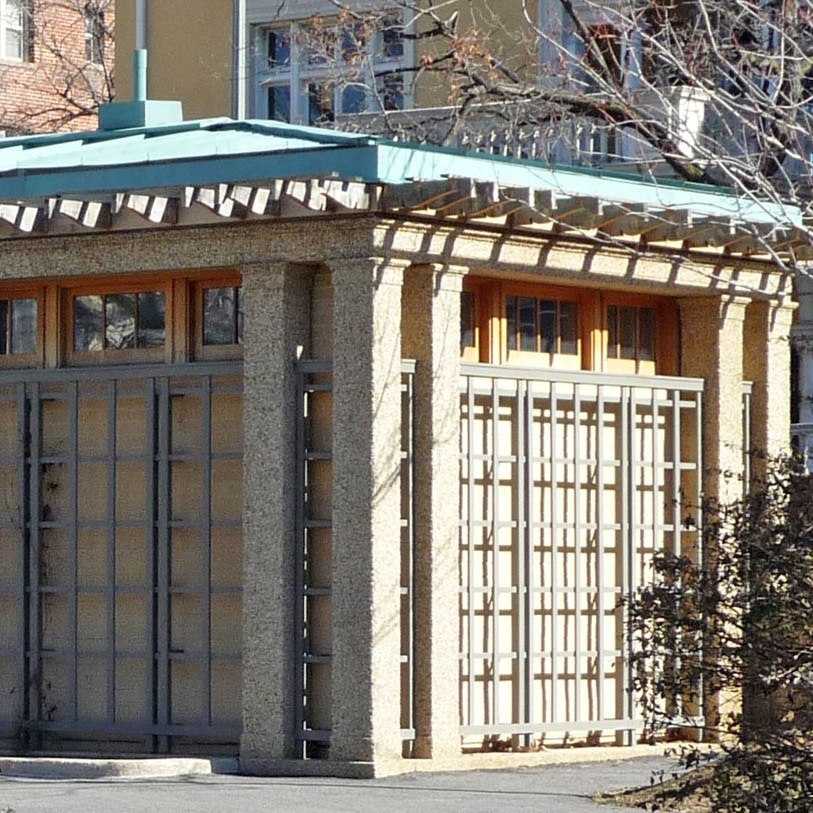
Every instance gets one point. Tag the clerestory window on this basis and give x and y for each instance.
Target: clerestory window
(309, 72)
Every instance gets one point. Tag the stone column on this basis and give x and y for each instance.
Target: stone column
(366, 510)
(712, 349)
(431, 329)
(767, 364)
(277, 327)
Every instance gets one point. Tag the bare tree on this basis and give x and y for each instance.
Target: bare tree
(708, 91)
(59, 64)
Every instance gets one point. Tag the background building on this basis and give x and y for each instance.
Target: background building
(56, 63)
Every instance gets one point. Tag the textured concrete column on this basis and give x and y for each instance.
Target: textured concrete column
(431, 328)
(366, 510)
(277, 302)
(712, 349)
(767, 364)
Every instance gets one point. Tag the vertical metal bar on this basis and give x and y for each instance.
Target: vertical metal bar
(471, 546)
(163, 598)
(150, 545)
(73, 541)
(677, 469)
(413, 548)
(495, 551)
(701, 553)
(529, 557)
(600, 575)
(206, 543)
(111, 550)
(577, 547)
(299, 576)
(657, 472)
(34, 705)
(520, 479)
(24, 578)
(632, 542)
(554, 576)
(624, 543)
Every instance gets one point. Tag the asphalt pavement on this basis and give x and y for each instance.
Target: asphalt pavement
(549, 789)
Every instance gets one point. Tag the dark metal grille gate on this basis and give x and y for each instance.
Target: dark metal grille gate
(120, 544)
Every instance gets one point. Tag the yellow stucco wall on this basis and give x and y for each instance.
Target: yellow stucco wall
(190, 44)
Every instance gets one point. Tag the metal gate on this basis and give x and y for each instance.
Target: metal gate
(570, 482)
(314, 579)
(120, 543)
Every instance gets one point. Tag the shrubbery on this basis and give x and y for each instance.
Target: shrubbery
(732, 621)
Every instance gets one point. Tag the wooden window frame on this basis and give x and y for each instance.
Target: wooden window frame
(665, 361)
(532, 358)
(80, 358)
(211, 352)
(8, 293)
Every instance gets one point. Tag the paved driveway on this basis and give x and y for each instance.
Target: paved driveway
(549, 789)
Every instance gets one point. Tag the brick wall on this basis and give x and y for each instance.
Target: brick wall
(56, 87)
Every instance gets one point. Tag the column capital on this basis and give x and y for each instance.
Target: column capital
(383, 270)
(446, 275)
(725, 307)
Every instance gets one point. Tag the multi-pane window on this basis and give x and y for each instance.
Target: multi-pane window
(631, 333)
(119, 321)
(308, 73)
(14, 29)
(18, 327)
(542, 325)
(93, 18)
(222, 316)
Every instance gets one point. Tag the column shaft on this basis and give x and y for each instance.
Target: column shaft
(277, 301)
(366, 511)
(431, 328)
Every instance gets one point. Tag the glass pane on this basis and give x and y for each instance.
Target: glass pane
(646, 334)
(151, 319)
(240, 314)
(14, 44)
(612, 332)
(626, 332)
(568, 328)
(4, 306)
(467, 319)
(392, 41)
(279, 102)
(88, 323)
(218, 316)
(279, 48)
(120, 329)
(320, 103)
(547, 325)
(527, 323)
(511, 320)
(392, 92)
(352, 42)
(353, 99)
(23, 326)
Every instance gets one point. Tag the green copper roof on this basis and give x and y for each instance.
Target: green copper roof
(195, 153)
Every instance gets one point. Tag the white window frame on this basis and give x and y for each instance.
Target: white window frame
(94, 31)
(22, 26)
(298, 74)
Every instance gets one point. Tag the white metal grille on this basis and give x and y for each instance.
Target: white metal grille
(570, 482)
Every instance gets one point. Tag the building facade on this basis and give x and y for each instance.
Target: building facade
(56, 63)
(338, 453)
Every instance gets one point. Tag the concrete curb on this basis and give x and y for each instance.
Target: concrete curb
(75, 768)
